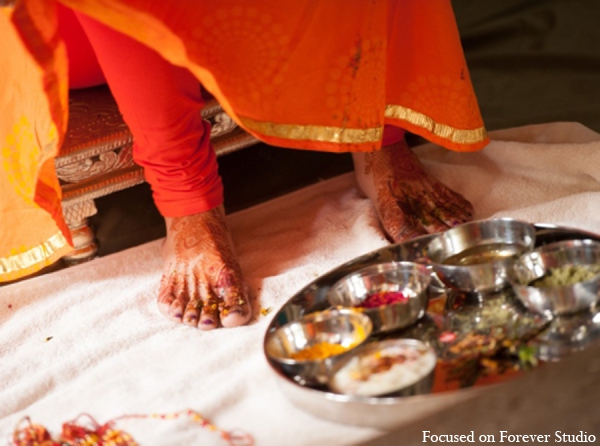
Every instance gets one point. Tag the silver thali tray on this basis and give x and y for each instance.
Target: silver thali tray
(527, 340)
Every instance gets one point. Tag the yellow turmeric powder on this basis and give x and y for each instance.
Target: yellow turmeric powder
(321, 350)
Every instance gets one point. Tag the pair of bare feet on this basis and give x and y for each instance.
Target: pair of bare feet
(202, 283)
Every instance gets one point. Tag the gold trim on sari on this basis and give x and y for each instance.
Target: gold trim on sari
(442, 130)
(320, 133)
(34, 256)
(340, 135)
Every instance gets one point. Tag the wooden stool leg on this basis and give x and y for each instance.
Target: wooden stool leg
(84, 241)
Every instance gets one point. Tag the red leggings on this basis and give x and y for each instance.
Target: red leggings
(161, 104)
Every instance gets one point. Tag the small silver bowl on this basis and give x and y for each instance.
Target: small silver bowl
(478, 256)
(394, 367)
(343, 327)
(409, 278)
(568, 334)
(557, 300)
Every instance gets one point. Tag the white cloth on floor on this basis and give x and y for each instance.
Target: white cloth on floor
(89, 339)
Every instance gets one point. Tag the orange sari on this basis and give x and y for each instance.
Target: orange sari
(304, 74)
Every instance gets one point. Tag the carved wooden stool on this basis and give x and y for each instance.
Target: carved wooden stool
(96, 158)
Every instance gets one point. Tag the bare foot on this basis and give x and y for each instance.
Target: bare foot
(409, 202)
(202, 283)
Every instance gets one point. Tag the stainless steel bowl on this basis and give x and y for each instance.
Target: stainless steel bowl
(411, 279)
(568, 334)
(345, 327)
(557, 300)
(478, 256)
(394, 367)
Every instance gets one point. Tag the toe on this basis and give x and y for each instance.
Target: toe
(209, 311)
(167, 294)
(433, 224)
(455, 213)
(165, 297)
(191, 315)
(235, 308)
(177, 309)
(451, 207)
(400, 222)
(236, 314)
(209, 316)
(180, 301)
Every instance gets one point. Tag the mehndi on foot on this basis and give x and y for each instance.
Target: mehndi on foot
(202, 284)
(409, 201)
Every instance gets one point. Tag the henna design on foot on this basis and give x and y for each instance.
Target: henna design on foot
(202, 283)
(409, 202)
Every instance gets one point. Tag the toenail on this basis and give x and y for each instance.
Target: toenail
(178, 315)
(208, 322)
(228, 311)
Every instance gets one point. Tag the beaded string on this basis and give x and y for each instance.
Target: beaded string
(75, 434)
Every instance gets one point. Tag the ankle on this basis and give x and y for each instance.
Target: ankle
(363, 174)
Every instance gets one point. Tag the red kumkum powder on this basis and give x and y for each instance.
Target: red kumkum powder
(382, 298)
